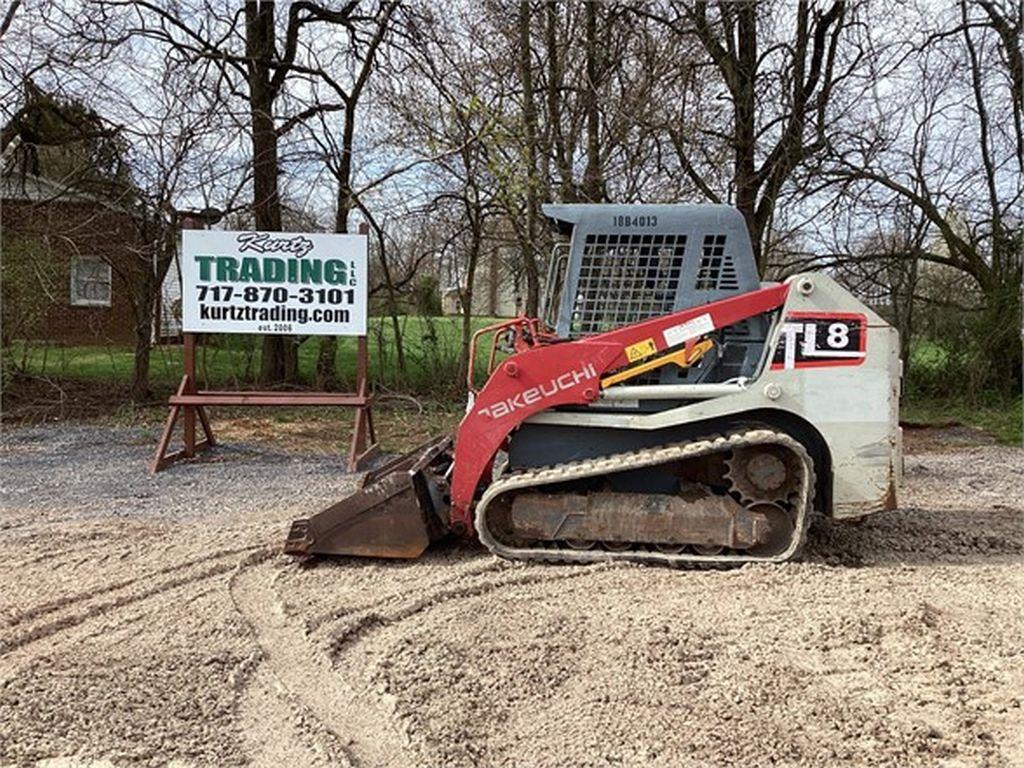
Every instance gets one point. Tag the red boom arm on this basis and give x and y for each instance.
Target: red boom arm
(569, 373)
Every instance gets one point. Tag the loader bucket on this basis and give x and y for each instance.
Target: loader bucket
(398, 510)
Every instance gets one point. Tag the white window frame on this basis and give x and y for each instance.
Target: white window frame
(78, 301)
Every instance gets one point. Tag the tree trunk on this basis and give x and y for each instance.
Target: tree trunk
(148, 288)
(905, 289)
(389, 285)
(528, 249)
(327, 355)
(476, 230)
(279, 362)
(593, 183)
(326, 363)
(744, 128)
(143, 343)
(1000, 334)
(492, 285)
(567, 188)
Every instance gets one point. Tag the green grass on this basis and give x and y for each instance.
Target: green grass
(928, 354)
(431, 347)
(1002, 418)
(930, 399)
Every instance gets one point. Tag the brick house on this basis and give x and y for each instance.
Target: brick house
(69, 262)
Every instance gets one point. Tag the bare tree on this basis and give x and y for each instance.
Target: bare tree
(779, 86)
(531, 145)
(139, 157)
(254, 65)
(343, 77)
(464, 107)
(950, 150)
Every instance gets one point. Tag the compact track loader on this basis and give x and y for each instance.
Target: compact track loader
(669, 408)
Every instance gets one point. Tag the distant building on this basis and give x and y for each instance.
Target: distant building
(168, 316)
(68, 262)
(496, 288)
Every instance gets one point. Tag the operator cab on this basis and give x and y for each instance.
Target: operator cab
(627, 263)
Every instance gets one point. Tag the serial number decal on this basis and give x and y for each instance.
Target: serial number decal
(691, 329)
(634, 221)
(821, 339)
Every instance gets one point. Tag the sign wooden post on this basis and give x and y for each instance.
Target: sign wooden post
(189, 402)
(364, 439)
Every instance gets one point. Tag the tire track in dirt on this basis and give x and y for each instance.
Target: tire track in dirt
(452, 573)
(306, 682)
(509, 576)
(369, 639)
(100, 609)
(280, 730)
(67, 601)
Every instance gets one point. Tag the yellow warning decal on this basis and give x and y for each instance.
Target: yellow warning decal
(640, 350)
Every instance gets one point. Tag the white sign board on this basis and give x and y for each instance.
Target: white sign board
(273, 282)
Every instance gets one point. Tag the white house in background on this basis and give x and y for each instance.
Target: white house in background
(168, 325)
(496, 288)
(168, 310)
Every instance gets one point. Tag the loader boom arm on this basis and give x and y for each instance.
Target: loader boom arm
(569, 373)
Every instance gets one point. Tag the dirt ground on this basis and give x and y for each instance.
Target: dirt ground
(150, 620)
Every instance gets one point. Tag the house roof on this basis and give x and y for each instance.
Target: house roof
(36, 189)
(16, 184)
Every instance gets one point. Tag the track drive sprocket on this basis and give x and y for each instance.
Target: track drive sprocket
(762, 474)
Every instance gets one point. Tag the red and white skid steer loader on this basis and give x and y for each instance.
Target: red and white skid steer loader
(669, 408)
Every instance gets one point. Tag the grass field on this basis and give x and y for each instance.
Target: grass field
(930, 371)
(1002, 418)
(431, 346)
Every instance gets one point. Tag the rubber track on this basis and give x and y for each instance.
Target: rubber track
(646, 458)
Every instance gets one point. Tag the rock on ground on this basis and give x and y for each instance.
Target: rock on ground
(148, 620)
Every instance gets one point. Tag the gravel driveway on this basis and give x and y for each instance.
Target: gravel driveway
(149, 620)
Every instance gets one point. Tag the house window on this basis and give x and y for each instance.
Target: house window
(90, 282)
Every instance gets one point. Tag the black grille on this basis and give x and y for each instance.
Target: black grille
(624, 279)
(717, 272)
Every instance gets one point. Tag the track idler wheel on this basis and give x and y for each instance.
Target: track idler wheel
(780, 528)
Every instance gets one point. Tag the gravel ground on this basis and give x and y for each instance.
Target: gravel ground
(149, 620)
